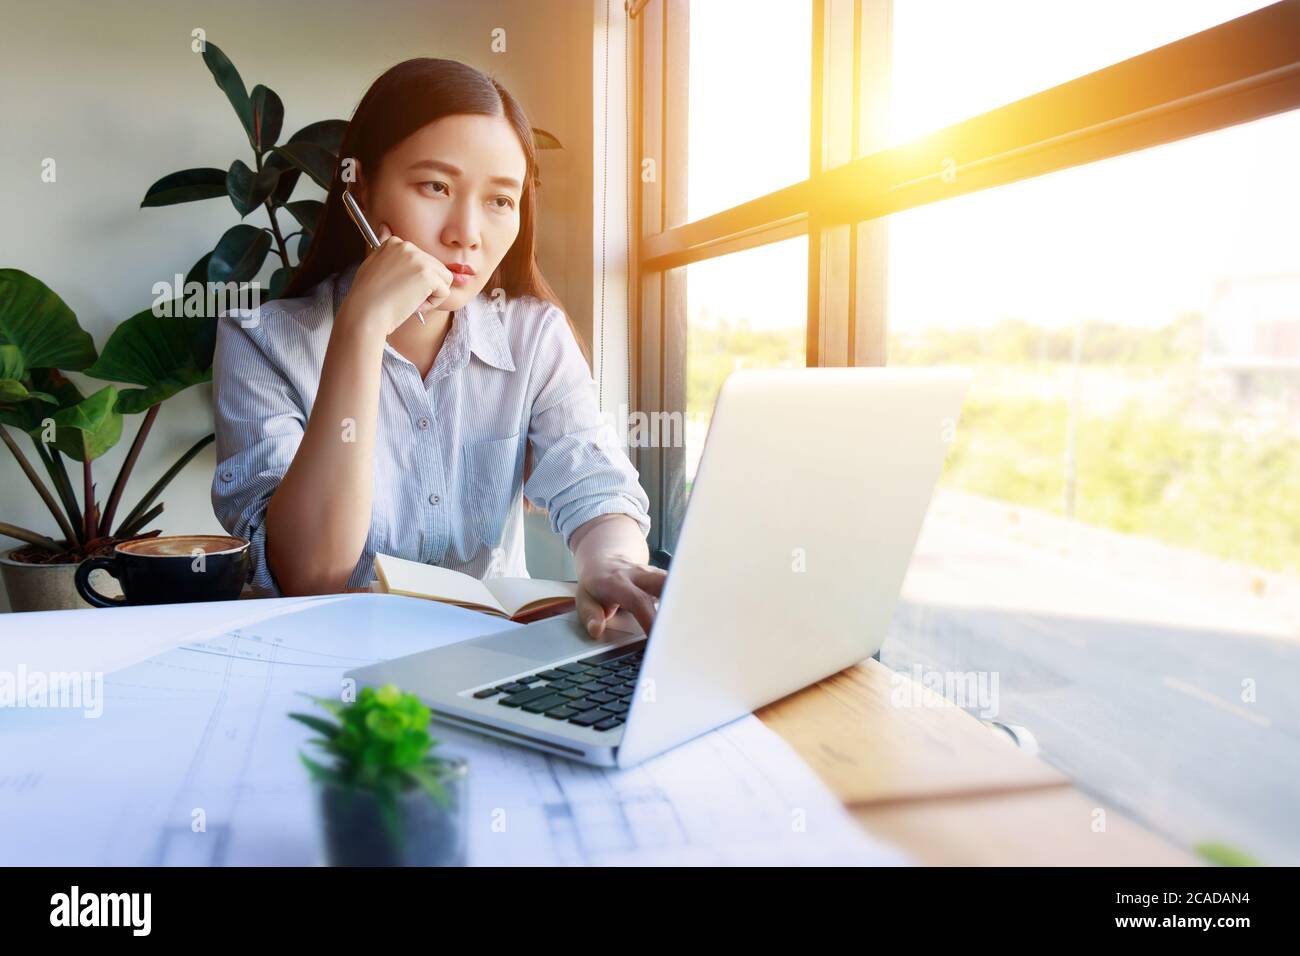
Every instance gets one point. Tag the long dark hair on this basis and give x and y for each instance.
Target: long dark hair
(404, 99)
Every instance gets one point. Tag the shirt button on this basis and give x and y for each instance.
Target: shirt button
(423, 422)
(227, 475)
(434, 499)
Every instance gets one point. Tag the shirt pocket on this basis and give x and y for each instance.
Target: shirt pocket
(490, 468)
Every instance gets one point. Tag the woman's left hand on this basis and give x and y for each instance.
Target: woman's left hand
(612, 582)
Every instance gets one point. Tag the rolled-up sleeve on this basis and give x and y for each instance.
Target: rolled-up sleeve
(580, 470)
(259, 425)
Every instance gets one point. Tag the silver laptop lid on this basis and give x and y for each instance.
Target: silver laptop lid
(806, 506)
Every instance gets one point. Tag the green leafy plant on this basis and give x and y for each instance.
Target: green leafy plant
(241, 252)
(269, 183)
(40, 338)
(380, 743)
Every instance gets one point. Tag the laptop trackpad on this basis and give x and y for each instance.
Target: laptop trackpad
(557, 637)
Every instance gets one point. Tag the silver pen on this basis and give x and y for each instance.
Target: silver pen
(367, 233)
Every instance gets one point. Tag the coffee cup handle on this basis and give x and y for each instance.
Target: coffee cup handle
(88, 593)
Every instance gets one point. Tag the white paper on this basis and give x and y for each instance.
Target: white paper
(106, 639)
(194, 761)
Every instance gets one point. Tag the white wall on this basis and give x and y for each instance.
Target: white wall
(113, 93)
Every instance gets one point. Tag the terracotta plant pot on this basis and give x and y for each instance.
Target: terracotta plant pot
(47, 587)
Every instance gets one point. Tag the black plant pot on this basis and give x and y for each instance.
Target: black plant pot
(430, 834)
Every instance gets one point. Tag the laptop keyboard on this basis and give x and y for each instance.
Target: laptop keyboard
(595, 692)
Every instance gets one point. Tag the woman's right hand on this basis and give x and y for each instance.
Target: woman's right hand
(395, 281)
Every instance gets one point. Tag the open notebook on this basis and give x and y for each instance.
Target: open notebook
(519, 599)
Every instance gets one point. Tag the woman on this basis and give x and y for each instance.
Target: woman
(345, 425)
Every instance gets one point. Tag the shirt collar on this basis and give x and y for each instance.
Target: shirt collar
(476, 325)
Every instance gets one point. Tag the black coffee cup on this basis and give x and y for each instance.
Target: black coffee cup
(171, 570)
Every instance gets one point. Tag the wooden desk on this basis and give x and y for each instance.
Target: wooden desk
(942, 786)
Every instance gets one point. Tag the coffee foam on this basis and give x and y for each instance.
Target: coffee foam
(182, 545)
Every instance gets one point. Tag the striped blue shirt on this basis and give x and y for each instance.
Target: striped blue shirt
(449, 449)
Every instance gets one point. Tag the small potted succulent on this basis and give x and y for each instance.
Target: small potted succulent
(386, 800)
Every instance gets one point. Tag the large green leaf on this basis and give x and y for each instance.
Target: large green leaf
(13, 384)
(268, 116)
(239, 254)
(313, 159)
(248, 189)
(57, 390)
(307, 212)
(86, 430)
(54, 390)
(11, 362)
(288, 178)
(12, 390)
(188, 185)
(164, 354)
(327, 134)
(12, 371)
(228, 79)
(198, 272)
(41, 325)
(279, 280)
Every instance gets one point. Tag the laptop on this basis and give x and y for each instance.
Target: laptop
(806, 506)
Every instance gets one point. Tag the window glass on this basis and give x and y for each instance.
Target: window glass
(744, 310)
(953, 59)
(1116, 540)
(750, 100)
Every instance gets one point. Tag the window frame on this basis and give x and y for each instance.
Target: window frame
(1239, 71)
